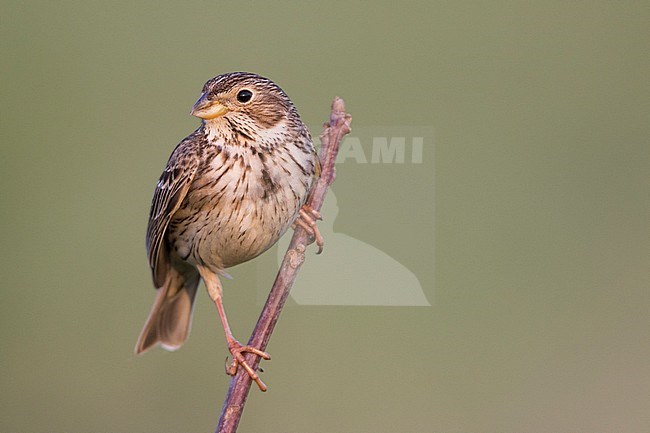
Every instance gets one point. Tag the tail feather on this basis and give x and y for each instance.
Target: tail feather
(170, 319)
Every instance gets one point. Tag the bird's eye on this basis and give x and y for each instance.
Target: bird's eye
(244, 96)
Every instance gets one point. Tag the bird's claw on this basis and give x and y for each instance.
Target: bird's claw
(237, 350)
(307, 218)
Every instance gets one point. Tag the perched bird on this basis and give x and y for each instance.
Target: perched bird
(229, 191)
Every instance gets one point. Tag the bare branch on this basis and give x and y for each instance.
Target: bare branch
(333, 132)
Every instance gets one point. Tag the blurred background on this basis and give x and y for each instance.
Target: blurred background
(525, 221)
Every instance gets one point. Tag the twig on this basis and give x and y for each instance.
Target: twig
(333, 132)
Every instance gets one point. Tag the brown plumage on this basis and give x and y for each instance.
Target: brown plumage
(229, 191)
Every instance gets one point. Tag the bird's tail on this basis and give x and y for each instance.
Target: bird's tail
(170, 319)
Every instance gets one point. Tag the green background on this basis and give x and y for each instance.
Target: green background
(538, 218)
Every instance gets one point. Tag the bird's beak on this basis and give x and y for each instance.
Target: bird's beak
(207, 109)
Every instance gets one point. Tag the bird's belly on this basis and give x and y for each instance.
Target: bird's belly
(228, 223)
(221, 238)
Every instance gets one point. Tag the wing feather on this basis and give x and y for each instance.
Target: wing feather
(168, 196)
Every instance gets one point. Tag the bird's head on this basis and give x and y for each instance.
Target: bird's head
(246, 100)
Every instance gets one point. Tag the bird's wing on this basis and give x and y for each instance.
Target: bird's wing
(170, 191)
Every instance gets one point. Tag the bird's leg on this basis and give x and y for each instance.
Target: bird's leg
(236, 349)
(307, 218)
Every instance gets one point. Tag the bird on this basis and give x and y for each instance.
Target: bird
(229, 191)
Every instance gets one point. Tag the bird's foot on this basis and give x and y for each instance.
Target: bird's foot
(237, 350)
(307, 218)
